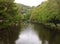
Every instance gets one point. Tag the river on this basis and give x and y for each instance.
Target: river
(30, 34)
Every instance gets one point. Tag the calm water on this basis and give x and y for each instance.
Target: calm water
(30, 34)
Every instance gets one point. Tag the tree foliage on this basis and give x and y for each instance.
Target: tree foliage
(47, 12)
(9, 13)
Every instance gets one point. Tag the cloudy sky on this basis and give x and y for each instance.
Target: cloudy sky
(29, 2)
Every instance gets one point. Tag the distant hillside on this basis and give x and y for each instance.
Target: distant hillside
(24, 8)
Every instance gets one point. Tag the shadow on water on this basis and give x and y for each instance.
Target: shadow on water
(9, 35)
(52, 36)
(29, 34)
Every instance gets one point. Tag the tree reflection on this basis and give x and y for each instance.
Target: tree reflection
(50, 35)
(9, 35)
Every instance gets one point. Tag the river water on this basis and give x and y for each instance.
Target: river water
(29, 34)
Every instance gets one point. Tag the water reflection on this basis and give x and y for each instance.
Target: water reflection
(47, 36)
(28, 36)
(9, 35)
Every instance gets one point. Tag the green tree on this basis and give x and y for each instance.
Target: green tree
(47, 12)
(37, 14)
(53, 10)
(9, 13)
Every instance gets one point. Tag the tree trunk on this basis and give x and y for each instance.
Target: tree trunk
(55, 24)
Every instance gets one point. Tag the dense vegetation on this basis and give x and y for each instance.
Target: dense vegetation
(10, 16)
(47, 12)
(9, 13)
(12, 13)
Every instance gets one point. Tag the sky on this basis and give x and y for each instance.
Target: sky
(30, 2)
